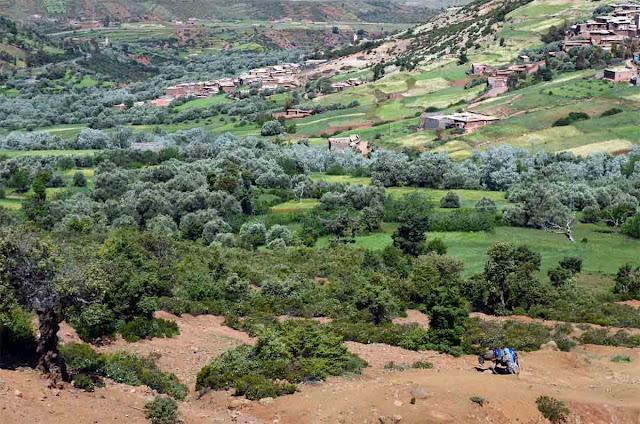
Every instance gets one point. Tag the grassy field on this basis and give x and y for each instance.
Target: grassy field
(340, 179)
(472, 247)
(203, 103)
(468, 198)
(294, 206)
(46, 153)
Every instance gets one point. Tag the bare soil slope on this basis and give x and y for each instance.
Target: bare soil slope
(596, 389)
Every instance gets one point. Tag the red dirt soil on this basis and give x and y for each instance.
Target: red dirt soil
(596, 389)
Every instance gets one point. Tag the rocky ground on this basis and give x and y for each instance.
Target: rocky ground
(596, 389)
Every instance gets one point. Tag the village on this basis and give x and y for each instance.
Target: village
(619, 28)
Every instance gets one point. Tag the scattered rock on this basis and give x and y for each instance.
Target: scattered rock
(397, 403)
(419, 393)
(266, 401)
(550, 345)
(237, 404)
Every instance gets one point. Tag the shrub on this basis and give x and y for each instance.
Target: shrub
(289, 353)
(86, 382)
(81, 358)
(570, 119)
(612, 111)
(621, 358)
(122, 367)
(162, 410)
(270, 128)
(437, 246)
(450, 200)
(552, 409)
(127, 368)
(425, 365)
(478, 399)
(256, 387)
(571, 263)
(602, 337)
(145, 328)
(627, 282)
(93, 322)
(79, 180)
(631, 226)
(391, 365)
(486, 205)
(17, 336)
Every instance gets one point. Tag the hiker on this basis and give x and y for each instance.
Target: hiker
(504, 360)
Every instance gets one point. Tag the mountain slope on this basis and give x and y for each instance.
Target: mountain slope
(315, 10)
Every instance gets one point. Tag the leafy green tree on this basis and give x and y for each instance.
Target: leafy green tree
(486, 205)
(377, 300)
(631, 226)
(253, 235)
(627, 282)
(79, 180)
(19, 180)
(271, 128)
(378, 71)
(450, 200)
(410, 234)
(28, 268)
(508, 280)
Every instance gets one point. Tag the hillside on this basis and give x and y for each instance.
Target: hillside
(313, 10)
(21, 46)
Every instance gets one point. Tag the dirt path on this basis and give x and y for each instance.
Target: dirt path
(201, 338)
(596, 389)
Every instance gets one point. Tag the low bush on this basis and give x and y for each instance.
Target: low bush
(482, 335)
(602, 337)
(86, 382)
(145, 328)
(552, 409)
(478, 399)
(450, 200)
(570, 119)
(425, 365)
(162, 410)
(286, 354)
(621, 358)
(612, 111)
(122, 367)
(17, 336)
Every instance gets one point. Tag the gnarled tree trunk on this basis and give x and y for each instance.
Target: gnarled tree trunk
(49, 360)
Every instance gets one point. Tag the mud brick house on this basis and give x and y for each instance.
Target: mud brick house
(293, 114)
(619, 75)
(466, 121)
(353, 142)
(479, 69)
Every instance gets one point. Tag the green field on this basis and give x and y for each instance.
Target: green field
(203, 103)
(46, 153)
(472, 247)
(294, 206)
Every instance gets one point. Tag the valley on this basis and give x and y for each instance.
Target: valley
(290, 211)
